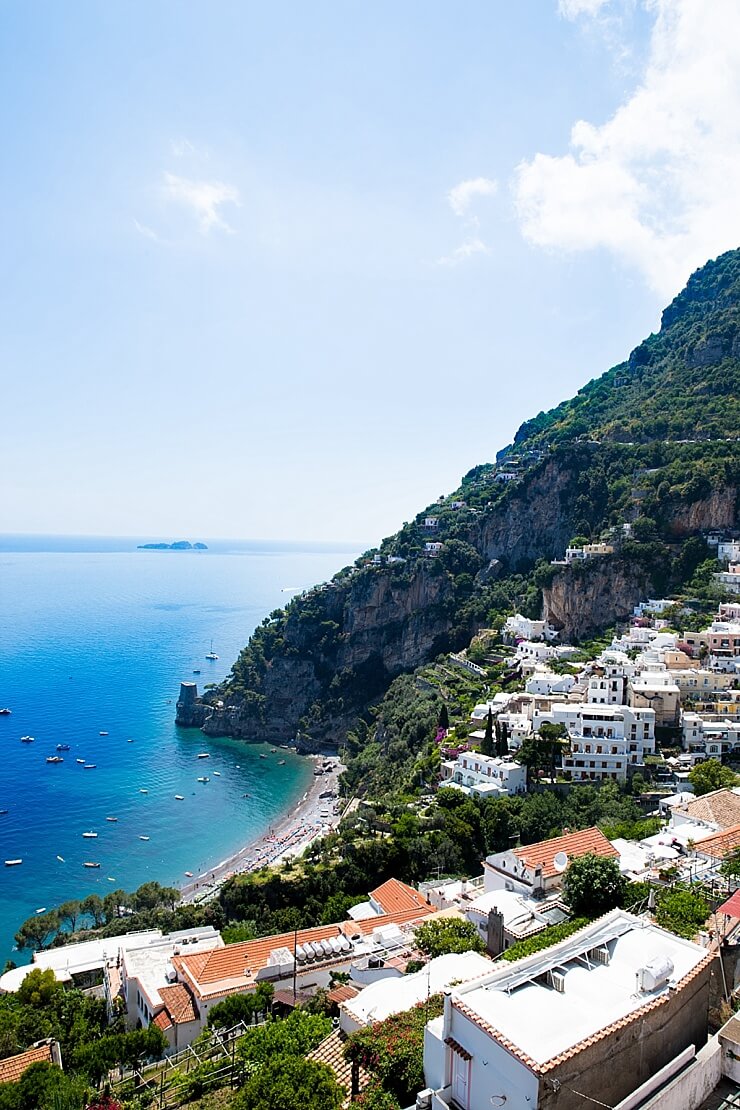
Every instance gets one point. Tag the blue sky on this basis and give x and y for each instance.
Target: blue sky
(290, 270)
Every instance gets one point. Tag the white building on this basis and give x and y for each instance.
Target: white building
(706, 738)
(586, 1022)
(433, 548)
(526, 628)
(730, 578)
(543, 681)
(605, 740)
(538, 869)
(728, 551)
(392, 996)
(484, 776)
(520, 917)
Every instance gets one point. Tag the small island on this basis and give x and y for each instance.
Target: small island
(178, 545)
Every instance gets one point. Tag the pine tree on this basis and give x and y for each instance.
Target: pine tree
(487, 743)
(502, 739)
(444, 718)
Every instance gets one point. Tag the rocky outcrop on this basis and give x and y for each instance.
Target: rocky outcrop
(587, 597)
(718, 510)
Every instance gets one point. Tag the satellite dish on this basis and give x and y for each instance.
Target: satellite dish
(560, 861)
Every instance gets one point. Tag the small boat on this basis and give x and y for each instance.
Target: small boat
(179, 798)
(102, 734)
(262, 755)
(130, 740)
(142, 790)
(27, 739)
(281, 763)
(90, 835)
(197, 671)
(80, 761)
(13, 862)
(111, 818)
(211, 654)
(54, 759)
(111, 879)
(203, 778)
(273, 751)
(204, 755)
(89, 767)
(5, 712)
(61, 859)
(217, 773)
(90, 863)
(189, 874)
(41, 909)
(3, 812)
(143, 838)
(63, 747)
(246, 795)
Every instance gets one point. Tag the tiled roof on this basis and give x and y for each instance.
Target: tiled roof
(179, 1003)
(573, 845)
(331, 1052)
(720, 844)
(402, 917)
(393, 896)
(342, 993)
(622, 1023)
(162, 1021)
(720, 808)
(13, 1067)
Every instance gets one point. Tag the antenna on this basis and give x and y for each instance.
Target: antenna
(560, 861)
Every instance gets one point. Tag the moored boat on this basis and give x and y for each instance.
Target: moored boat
(111, 818)
(203, 778)
(27, 739)
(143, 838)
(54, 759)
(89, 767)
(179, 798)
(90, 835)
(204, 755)
(13, 862)
(62, 747)
(5, 712)
(90, 863)
(103, 733)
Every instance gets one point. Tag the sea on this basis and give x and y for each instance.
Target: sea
(95, 638)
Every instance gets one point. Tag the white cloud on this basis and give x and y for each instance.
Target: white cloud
(657, 184)
(461, 196)
(203, 198)
(572, 9)
(463, 252)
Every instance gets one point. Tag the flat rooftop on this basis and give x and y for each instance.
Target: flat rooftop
(541, 1022)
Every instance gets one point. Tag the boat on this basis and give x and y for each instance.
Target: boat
(217, 773)
(143, 838)
(27, 739)
(89, 767)
(142, 790)
(90, 835)
(54, 759)
(41, 909)
(61, 859)
(130, 740)
(262, 755)
(111, 879)
(63, 747)
(5, 712)
(211, 654)
(90, 863)
(102, 734)
(204, 755)
(189, 874)
(281, 763)
(3, 812)
(13, 862)
(111, 818)
(80, 760)
(197, 671)
(203, 778)
(273, 751)
(179, 798)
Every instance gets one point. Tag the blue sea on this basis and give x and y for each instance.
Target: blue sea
(95, 637)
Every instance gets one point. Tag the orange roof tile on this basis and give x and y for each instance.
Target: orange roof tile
(342, 993)
(162, 1020)
(720, 844)
(402, 917)
(718, 807)
(13, 1067)
(331, 1053)
(394, 895)
(179, 1003)
(573, 845)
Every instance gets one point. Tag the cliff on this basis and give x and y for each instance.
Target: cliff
(652, 443)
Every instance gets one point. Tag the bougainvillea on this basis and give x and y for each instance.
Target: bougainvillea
(393, 1050)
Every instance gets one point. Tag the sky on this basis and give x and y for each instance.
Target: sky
(288, 271)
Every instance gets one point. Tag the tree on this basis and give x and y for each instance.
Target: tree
(555, 738)
(437, 938)
(444, 718)
(38, 931)
(710, 775)
(486, 746)
(502, 739)
(681, 910)
(69, 913)
(233, 1009)
(290, 1083)
(731, 865)
(92, 906)
(592, 885)
(296, 1035)
(39, 988)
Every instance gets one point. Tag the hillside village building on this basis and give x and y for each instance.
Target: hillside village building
(484, 776)
(588, 1021)
(606, 741)
(538, 869)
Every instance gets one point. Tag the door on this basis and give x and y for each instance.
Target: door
(460, 1069)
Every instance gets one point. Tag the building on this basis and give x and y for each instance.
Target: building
(606, 741)
(728, 551)
(503, 917)
(717, 810)
(546, 682)
(656, 690)
(588, 551)
(730, 578)
(432, 548)
(587, 1021)
(538, 869)
(42, 1052)
(705, 737)
(484, 776)
(721, 639)
(392, 896)
(526, 628)
(386, 997)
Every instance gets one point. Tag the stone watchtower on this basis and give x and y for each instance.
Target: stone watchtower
(186, 702)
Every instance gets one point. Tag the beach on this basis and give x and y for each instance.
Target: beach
(289, 836)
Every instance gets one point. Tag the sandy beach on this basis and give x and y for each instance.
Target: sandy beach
(311, 818)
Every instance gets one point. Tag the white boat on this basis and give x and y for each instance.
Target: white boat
(61, 859)
(203, 778)
(89, 767)
(211, 654)
(89, 863)
(27, 739)
(217, 773)
(41, 909)
(189, 874)
(111, 818)
(54, 759)
(179, 798)
(13, 862)
(204, 755)
(90, 835)
(142, 790)
(80, 760)
(143, 838)
(102, 734)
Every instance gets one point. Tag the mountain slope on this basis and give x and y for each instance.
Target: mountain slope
(653, 442)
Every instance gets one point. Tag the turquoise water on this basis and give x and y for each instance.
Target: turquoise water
(98, 640)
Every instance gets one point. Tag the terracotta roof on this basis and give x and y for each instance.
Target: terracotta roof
(162, 1021)
(403, 917)
(178, 1003)
(573, 845)
(622, 1023)
(13, 1067)
(393, 896)
(331, 1052)
(731, 908)
(720, 844)
(342, 993)
(719, 807)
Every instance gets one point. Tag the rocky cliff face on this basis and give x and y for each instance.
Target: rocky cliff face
(537, 523)
(582, 600)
